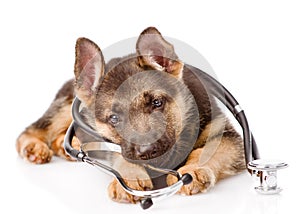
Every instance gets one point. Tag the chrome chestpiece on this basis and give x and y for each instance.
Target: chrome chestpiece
(265, 172)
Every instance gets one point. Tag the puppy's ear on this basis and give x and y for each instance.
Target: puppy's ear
(155, 52)
(89, 68)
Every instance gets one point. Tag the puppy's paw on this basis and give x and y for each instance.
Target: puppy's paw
(37, 152)
(118, 194)
(203, 179)
(32, 149)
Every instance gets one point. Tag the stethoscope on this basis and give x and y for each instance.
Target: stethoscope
(98, 152)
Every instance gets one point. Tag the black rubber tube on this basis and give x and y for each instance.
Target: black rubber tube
(220, 92)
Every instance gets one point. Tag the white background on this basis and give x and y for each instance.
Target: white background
(253, 46)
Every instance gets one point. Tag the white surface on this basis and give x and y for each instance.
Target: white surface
(252, 46)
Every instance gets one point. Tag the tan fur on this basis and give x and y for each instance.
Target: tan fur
(37, 145)
(213, 128)
(32, 148)
(102, 129)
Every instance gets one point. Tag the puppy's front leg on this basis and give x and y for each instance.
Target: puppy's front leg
(227, 160)
(134, 176)
(38, 142)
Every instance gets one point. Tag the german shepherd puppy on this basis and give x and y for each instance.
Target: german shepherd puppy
(124, 91)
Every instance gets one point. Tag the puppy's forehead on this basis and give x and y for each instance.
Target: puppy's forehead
(117, 71)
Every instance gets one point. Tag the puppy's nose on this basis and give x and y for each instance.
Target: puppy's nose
(146, 152)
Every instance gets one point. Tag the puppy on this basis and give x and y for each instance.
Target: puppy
(152, 105)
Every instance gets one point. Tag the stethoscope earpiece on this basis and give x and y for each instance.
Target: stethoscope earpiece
(266, 173)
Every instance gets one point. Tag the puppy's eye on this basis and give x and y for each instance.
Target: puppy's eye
(113, 119)
(157, 103)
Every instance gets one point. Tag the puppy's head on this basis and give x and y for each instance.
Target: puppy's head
(138, 101)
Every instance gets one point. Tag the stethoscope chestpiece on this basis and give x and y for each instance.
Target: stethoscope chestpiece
(266, 172)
